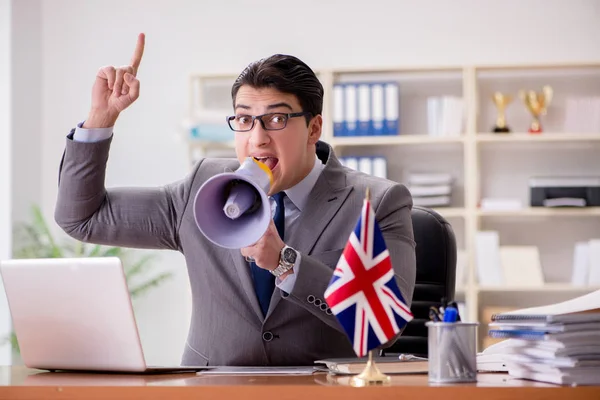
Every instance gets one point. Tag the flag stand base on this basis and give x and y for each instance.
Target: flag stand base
(371, 375)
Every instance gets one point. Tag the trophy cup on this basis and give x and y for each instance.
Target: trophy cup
(537, 104)
(501, 101)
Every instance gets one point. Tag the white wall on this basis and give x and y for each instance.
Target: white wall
(26, 107)
(5, 165)
(186, 36)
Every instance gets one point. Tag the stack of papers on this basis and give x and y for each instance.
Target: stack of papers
(430, 189)
(559, 343)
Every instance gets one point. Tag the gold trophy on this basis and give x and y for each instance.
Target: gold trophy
(501, 100)
(537, 104)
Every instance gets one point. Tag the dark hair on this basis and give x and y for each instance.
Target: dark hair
(288, 75)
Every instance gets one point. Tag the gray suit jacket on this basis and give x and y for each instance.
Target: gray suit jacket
(227, 326)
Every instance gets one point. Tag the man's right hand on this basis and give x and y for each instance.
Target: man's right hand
(114, 90)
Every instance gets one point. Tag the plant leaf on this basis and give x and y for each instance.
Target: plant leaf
(140, 266)
(42, 227)
(144, 287)
(14, 342)
(79, 249)
(112, 252)
(95, 251)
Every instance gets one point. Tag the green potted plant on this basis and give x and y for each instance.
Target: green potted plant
(35, 240)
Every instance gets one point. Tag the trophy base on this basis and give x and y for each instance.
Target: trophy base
(535, 127)
(504, 129)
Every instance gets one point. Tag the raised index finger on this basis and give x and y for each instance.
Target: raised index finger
(137, 54)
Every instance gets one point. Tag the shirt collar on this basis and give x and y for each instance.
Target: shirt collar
(299, 193)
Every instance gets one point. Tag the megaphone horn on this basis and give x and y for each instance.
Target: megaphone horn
(232, 209)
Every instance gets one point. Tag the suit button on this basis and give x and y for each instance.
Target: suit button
(324, 307)
(310, 298)
(317, 302)
(267, 336)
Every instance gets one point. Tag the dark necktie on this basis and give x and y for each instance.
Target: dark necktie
(264, 281)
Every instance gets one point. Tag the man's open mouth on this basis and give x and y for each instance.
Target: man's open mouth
(270, 162)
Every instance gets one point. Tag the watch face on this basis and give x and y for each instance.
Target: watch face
(289, 255)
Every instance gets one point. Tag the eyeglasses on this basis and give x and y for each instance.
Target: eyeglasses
(270, 122)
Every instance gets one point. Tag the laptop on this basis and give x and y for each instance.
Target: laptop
(75, 314)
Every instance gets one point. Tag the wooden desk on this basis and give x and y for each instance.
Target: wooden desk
(22, 383)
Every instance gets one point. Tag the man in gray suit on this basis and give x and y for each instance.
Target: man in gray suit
(269, 311)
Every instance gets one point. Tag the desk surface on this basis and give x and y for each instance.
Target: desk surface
(20, 382)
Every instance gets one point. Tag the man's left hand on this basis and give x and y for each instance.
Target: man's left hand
(266, 251)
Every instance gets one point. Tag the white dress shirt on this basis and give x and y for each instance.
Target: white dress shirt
(294, 202)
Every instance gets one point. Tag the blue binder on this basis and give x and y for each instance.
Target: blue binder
(377, 109)
(339, 126)
(364, 109)
(350, 109)
(392, 108)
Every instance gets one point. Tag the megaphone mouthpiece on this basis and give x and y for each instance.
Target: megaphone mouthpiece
(241, 198)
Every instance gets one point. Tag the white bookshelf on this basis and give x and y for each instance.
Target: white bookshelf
(451, 212)
(547, 288)
(359, 141)
(542, 212)
(484, 164)
(546, 137)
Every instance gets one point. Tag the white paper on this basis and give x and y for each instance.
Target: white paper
(590, 301)
(259, 371)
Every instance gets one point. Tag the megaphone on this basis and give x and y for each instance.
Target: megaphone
(231, 209)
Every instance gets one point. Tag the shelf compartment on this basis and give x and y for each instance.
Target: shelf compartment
(547, 288)
(542, 212)
(393, 140)
(533, 138)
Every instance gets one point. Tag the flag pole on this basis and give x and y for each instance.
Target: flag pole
(371, 375)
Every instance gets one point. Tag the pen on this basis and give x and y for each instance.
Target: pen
(451, 314)
(442, 308)
(410, 357)
(453, 304)
(434, 315)
(444, 302)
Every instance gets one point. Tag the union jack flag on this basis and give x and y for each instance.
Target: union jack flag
(363, 293)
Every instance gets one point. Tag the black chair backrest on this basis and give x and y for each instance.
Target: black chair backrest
(436, 277)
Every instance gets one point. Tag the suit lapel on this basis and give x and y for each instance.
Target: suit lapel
(326, 198)
(243, 270)
(320, 209)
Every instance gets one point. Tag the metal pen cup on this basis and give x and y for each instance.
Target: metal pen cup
(452, 351)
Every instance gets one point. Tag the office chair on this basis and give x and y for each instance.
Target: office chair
(436, 277)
